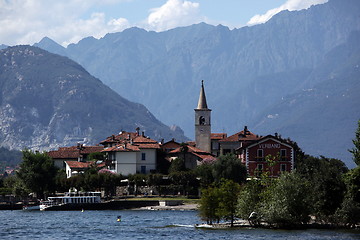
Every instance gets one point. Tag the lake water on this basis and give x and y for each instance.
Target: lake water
(137, 224)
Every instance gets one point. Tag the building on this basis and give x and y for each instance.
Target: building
(203, 123)
(131, 153)
(77, 153)
(73, 168)
(169, 146)
(237, 140)
(192, 156)
(269, 153)
(215, 144)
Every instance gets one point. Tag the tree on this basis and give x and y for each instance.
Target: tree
(355, 151)
(37, 172)
(186, 179)
(229, 192)
(177, 165)
(205, 172)
(209, 203)
(349, 212)
(249, 198)
(287, 204)
(229, 167)
(328, 187)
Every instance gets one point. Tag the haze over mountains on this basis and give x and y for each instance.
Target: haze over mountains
(297, 74)
(47, 101)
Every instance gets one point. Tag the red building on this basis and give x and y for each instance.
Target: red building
(269, 153)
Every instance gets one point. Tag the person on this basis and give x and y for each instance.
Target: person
(253, 219)
(119, 218)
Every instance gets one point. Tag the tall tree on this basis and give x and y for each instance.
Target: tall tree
(209, 203)
(288, 203)
(356, 149)
(229, 191)
(37, 172)
(229, 167)
(328, 187)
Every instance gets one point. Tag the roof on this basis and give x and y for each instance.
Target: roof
(143, 139)
(132, 138)
(122, 136)
(244, 135)
(76, 164)
(218, 136)
(82, 165)
(170, 144)
(265, 138)
(122, 148)
(191, 149)
(73, 152)
(195, 151)
(202, 98)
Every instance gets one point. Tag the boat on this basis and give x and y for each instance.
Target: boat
(31, 208)
(72, 201)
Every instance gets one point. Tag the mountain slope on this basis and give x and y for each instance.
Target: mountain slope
(47, 101)
(328, 125)
(246, 71)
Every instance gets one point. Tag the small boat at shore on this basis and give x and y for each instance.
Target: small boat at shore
(72, 201)
(31, 208)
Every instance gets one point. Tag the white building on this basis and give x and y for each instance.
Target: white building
(130, 153)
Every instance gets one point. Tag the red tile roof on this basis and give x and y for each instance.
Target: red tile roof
(122, 148)
(191, 149)
(76, 164)
(240, 136)
(82, 165)
(142, 139)
(218, 136)
(132, 138)
(122, 136)
(74, 152)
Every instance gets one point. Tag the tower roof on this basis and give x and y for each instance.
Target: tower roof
(202, 98)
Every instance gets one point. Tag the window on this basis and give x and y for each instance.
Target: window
(143, 169)
(201, 120)
(259, 169)
(282, 167)
(143, 156)
(260, 154)
(283, 154)
(226, 151)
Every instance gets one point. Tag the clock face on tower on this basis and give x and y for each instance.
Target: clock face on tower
(201, 120)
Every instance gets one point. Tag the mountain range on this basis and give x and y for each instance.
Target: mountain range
(48, 101)
(297, 74)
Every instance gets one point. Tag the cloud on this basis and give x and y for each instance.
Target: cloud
(290, 5)
(27, 22)
(173, 13)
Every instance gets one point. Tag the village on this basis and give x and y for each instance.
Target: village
(134, 152)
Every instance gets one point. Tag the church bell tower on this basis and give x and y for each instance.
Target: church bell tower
(202, 123)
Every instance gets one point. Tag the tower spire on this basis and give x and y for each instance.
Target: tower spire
(202, 98)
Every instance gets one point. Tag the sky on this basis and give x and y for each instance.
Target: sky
(69, 21)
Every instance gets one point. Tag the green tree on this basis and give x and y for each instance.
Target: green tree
(355, 151)
(249, 198)
(349, 212)
(96, 156)
(209, 203)
(156, 180)
(229, 167)
(177, 165)
(205, 172)
(287, 204)
(229, 192)
(37, 172)
(328, 187)
(185, 179)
